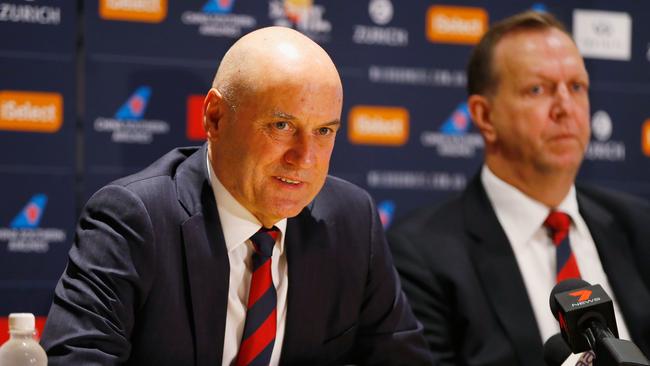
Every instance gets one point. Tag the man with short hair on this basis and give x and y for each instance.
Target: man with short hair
(479, 269)
(243, 251)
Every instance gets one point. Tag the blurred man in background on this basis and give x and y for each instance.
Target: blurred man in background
(479, 269)
(243, 251)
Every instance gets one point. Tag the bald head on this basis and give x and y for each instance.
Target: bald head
(268, 57)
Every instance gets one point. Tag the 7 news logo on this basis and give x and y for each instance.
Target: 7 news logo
(24, 234)
(128, 124)
(453, 138)
(583, 297)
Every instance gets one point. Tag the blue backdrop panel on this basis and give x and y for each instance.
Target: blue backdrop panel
(36, 228)
(186, 32)
(40, 151)
(38, 29)
(614, 157)
(138, 113)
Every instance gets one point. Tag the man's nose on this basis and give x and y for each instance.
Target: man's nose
(302, 152)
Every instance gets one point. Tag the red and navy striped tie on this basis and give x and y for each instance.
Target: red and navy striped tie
(558, 224)
(259, 332)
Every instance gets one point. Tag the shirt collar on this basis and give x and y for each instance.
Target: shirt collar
(237, 223)
(520, 215)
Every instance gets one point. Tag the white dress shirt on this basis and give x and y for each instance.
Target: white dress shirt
(522, 219)
(238, 225)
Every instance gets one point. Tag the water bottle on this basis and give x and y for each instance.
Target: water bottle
(22, 349)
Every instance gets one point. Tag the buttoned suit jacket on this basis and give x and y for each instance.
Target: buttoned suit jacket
(460, 274)
(148, 272)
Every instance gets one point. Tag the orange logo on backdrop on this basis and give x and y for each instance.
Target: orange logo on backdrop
(372, 125)
(645, 136)
(194, 128)
(30, 111)
(582, 295)
(148, 11)
(456, 24)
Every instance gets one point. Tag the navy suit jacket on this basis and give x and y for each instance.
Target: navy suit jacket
(462, 279)
(147, 278)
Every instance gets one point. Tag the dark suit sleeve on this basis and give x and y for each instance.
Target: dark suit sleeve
(425, 292)
(107, 277)
(388, 334)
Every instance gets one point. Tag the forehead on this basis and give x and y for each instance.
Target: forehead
(538, 52)
(317, 102)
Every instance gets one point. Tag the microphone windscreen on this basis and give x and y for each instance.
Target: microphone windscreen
(556, 351)
(564, 286)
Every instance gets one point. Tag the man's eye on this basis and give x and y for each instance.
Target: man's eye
(281, 125)
(324, 131)
(579, 87)
(536, 90)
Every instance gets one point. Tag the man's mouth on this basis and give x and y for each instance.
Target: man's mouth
(288, 181)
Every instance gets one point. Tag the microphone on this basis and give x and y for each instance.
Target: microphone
(556, 351)
(587, 321)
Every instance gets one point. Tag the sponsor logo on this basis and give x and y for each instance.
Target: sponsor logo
(146, 11)
(453, 139)
(416, 180)
(456, 24)
(603, 34)
(304, 15)
(215, 19)
(602, 148)
(194, 129)
(582, 295)
(645, 137)
(372, 125)
(386, 212)
(30, 111)
(28, 13)
(417, 76)
(381, 13)
(24, 234)
(128, 124)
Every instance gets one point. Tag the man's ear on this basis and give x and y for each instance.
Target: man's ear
(212, 112)
(481, 111)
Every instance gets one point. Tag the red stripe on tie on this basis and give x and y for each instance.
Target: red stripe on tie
(570, 269)
(260, 283)
(257, 342)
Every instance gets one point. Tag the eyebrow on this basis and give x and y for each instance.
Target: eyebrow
(290, 117)
(283, 115)
(335, 122)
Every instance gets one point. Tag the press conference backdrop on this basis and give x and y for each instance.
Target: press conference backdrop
(94, 90)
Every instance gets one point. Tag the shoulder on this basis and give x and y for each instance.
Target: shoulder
(149, 187)
(164, 168)
(620, 204)
(441, 219)
(340, 195)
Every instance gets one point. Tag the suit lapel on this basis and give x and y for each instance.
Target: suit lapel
(499, 274)
(617, 260)
(308, 253)
(206, 258)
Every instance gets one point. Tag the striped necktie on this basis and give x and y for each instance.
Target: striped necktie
(259, 332)
(558, 224)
